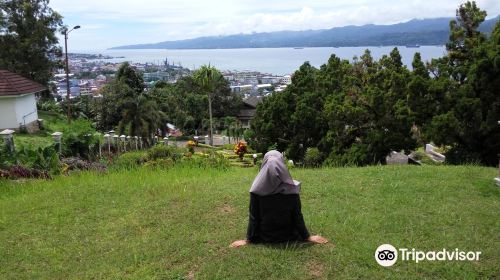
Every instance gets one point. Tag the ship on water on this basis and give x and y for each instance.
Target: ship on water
(413, 46)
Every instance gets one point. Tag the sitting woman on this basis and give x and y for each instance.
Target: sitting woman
(275, 211)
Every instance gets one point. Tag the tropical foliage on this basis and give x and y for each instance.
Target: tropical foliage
(357, 112)
(28, 38)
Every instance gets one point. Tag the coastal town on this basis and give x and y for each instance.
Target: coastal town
(90, 72)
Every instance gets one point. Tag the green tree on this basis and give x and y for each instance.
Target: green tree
(125, 105)
(108, 108)
(353, 113)
(464, 36)
(422, 102)
(130, 77)
(28, 38)
(140, 117)
(468, 122)
(207, 77)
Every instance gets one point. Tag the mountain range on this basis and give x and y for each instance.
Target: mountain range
(414, 32)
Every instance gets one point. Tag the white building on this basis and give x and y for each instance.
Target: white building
(18, 102)
(241, 88)
(286, 80)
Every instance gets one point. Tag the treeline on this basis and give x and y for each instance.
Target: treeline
(357, 112)
(126, 107)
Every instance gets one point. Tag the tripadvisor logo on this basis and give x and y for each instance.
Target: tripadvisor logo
(387, 255)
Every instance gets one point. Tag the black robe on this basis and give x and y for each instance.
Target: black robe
(276, 218)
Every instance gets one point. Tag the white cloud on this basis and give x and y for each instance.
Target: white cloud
(115, 22)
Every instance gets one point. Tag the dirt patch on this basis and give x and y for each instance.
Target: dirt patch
(190, 275)
(226, 209)
(315, 269)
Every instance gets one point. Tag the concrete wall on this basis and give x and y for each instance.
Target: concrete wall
(26, 106)
(12, 110)
(8, 117)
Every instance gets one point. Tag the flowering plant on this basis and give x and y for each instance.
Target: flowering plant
(190, 145)
(240, 149)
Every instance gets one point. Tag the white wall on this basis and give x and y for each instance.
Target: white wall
(12, 110)
(25, 105)
(8, 118)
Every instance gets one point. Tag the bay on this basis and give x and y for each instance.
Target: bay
(278, 61)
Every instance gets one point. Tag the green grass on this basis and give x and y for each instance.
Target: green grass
(178, 223)
(52, 123)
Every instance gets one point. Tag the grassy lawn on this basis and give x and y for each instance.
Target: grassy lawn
(43, 138)
(178, 223)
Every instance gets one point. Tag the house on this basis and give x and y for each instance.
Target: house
(247, 113)
(18, 102)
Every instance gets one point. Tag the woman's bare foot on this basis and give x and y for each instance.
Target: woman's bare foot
(238, 243)
(317, 239)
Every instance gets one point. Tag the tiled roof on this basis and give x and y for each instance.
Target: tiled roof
(252, 101)
(15, 84)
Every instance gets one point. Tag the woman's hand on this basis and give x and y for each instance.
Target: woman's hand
(317, 239)
(238, 243)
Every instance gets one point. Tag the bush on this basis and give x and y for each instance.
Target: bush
(79, 140)
(214, 160)
(161, 163)
(356, 155)
(19, 171)
(49, 106)
(249, 136)
(313, 157)
(240, 149)
(162, 151)
(46, 159)
(78, 164)
(130, 160)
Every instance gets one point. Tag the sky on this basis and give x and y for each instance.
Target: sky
(110, 23)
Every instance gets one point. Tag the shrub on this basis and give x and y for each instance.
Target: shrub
(162, 151)
(240, 149)
(79, 140)
(214, 160)
(45, 158)
(78, 164)
(313, 157)
(161, 163)
(19, 171)
(130, 160)
(249, 136)
(190, 145)
(49, 106)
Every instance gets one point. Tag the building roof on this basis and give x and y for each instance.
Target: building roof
(252, 101)
(12, 84)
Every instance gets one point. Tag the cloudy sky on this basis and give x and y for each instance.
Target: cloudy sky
(108, 23)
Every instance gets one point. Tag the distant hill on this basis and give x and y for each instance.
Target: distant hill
(414, 32)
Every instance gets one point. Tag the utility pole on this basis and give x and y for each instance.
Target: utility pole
(68, 92)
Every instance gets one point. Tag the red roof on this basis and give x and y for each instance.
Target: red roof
(15, 84)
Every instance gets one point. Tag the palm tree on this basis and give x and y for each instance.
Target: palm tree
(207, 77)
(141, 116)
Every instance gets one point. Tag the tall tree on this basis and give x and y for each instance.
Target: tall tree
(28, 38)
(207, 77)
(464, 36)
(130, 77)
(460, 105)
